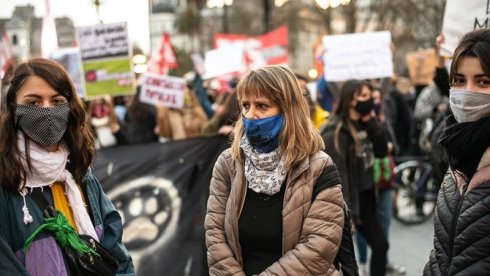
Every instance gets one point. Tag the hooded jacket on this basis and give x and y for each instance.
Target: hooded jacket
(312, 230)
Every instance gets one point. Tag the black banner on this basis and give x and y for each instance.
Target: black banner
(161, 192)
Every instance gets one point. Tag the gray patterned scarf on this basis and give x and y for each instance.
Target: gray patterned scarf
(265, 172)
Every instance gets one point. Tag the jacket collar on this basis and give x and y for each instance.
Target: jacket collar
(482, 175)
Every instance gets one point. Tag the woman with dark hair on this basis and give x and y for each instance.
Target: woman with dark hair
(354, 138)
(461, 242)
(46, 148)
(140, 121)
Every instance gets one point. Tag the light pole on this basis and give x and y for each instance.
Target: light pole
(224, 4)
(97, 4)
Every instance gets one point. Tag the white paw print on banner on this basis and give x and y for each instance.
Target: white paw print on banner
(150, 208)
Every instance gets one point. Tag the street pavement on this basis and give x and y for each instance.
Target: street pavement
(410, 245)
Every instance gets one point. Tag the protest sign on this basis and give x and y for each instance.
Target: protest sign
(460, 17)
(163, 90)
(106, 62)
(421, 66)
(268, 49)
(161, 191)
(358, 56)
(70, 59)
(219, 62)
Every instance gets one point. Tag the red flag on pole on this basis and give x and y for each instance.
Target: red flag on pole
(6, 55)
(49, 39)
(164, 57)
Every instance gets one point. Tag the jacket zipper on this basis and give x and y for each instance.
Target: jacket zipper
(454, 222)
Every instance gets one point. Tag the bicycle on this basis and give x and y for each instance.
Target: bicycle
(416, 189)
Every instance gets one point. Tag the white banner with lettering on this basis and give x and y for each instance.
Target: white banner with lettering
(460, 17)
(358, 56)
(162, 90)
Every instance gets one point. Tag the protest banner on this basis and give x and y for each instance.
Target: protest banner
(162, 90)
(70, 59)
(220, 62)
(106, 62)
(460, 17)
(421, 66)
(161, 191)
(268, 49)
(358, 56)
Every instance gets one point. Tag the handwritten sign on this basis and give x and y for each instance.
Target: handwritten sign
(421, 65)
(163, 90)
(461, 17)
(358, 56)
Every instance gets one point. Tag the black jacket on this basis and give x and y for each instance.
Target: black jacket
(347, 161)
(462, 227)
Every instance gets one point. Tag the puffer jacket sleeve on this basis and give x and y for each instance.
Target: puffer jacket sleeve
(320, 238)
(221, 259)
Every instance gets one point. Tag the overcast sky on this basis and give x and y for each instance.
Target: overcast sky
(83, 13)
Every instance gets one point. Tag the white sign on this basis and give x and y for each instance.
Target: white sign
(460, 17)
(358, 56)
(102, 41)
(220, 62)
(70, 59)
(163, 90)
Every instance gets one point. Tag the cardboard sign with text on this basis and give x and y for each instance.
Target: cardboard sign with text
(421, 65)
(358, 56)
(461, 17)
(163, 90)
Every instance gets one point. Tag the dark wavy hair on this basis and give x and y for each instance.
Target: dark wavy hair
(78, 136)
(473, 44)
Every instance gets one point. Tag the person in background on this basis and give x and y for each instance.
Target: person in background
(461, 244)
(354, 138)
(317, 113)
(261, 216)
(139, 121)
(46, 147)
(103, 119)
(384, 181)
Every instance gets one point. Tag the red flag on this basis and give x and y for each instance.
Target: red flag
(6, 55)
(164, 57)
(49, 39)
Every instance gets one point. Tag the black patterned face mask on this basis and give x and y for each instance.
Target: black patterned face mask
(44, 125)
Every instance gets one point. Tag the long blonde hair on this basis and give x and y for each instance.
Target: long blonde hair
(299, 138)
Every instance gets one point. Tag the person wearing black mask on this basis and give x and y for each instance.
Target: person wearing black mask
(353, 138)
(462, 216)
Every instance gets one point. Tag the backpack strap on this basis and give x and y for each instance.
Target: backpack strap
(43, 203)
(328, 178)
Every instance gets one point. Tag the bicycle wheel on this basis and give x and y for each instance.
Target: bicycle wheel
(415, 192)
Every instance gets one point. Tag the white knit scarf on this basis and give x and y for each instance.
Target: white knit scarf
(46, 169)
(265, 172)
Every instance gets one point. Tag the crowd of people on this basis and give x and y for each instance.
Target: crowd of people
(299, 169)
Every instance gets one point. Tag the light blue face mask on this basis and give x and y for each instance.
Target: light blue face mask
(469, 106)
(263, 134)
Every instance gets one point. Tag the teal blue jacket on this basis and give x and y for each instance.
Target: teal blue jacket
(44, 255)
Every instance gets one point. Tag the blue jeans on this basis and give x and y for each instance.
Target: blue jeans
(384, 213)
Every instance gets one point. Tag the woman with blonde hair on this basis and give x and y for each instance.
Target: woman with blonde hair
(263, 216)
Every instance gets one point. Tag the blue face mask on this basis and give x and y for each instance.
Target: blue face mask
(263, 134)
